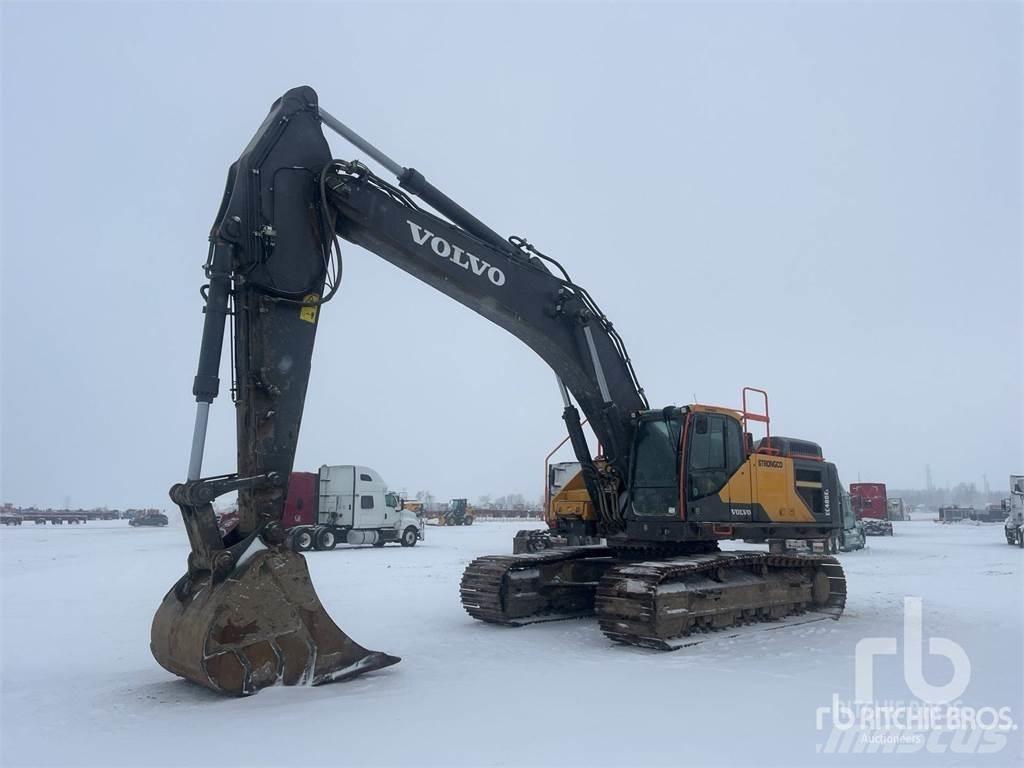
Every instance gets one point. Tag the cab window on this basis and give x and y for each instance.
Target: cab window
(733, 445)
(707, 446)
(715, 453)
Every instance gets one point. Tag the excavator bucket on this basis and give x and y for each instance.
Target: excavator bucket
(261, 625)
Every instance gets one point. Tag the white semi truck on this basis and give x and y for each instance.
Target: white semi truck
(346, 504)
(1014, 525)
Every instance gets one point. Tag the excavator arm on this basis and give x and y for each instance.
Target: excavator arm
(245, 615)
(513, 288)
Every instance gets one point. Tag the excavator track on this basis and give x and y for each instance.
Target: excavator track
(550, 585)
(664, 604)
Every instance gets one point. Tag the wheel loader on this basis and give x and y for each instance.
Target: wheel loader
(459, 512)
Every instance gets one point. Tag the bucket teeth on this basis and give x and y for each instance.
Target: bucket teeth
(262, 625)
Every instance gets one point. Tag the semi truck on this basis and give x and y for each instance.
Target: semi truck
(346, 504)
(897, 508)
(851, 537)
(1014, 525)
(871, 507)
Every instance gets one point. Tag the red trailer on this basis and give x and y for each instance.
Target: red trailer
(870, 504)
(300, 504)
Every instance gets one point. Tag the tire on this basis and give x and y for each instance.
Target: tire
(379, 542)
(302, 540)
(325, 539)
(1020, 537)
(467, 520)
(409, 537)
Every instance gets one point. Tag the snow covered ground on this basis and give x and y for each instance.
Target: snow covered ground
(79, 686)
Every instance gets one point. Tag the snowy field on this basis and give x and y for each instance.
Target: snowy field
(79, 686)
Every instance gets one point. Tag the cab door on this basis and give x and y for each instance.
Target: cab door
(717, 487)
(654, 490)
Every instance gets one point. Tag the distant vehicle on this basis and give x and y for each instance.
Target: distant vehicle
(227, 519)
(415, 506)
(459, 512)
(559, 475)
(346, 504)
(897, 508)
(994, 513)
(149, 517)
(1014, 525)
(871, 507)
(954, 514)
(852, 536)
(565, 493)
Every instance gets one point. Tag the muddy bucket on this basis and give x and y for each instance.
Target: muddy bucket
(261, 625)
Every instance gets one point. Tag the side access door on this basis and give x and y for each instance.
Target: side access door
(371, 511)
(792, 490)
(336, 488)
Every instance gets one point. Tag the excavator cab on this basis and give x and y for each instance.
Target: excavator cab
(696, 474)
(694, 452)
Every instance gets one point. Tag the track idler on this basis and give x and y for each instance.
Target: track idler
(260, 624)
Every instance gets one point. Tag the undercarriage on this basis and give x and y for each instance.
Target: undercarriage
(657, 602)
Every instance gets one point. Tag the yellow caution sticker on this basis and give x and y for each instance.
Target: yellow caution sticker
(308, 313)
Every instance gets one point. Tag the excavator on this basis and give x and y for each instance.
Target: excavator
(665, 487)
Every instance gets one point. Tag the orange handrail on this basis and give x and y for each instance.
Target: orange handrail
(749, 416)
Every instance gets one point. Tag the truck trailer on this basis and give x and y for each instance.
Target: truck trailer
(346, 504)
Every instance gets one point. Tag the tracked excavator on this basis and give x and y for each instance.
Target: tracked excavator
(667, 486)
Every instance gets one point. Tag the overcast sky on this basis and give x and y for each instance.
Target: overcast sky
(821, 199)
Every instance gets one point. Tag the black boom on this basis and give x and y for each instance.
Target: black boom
(285, 199)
